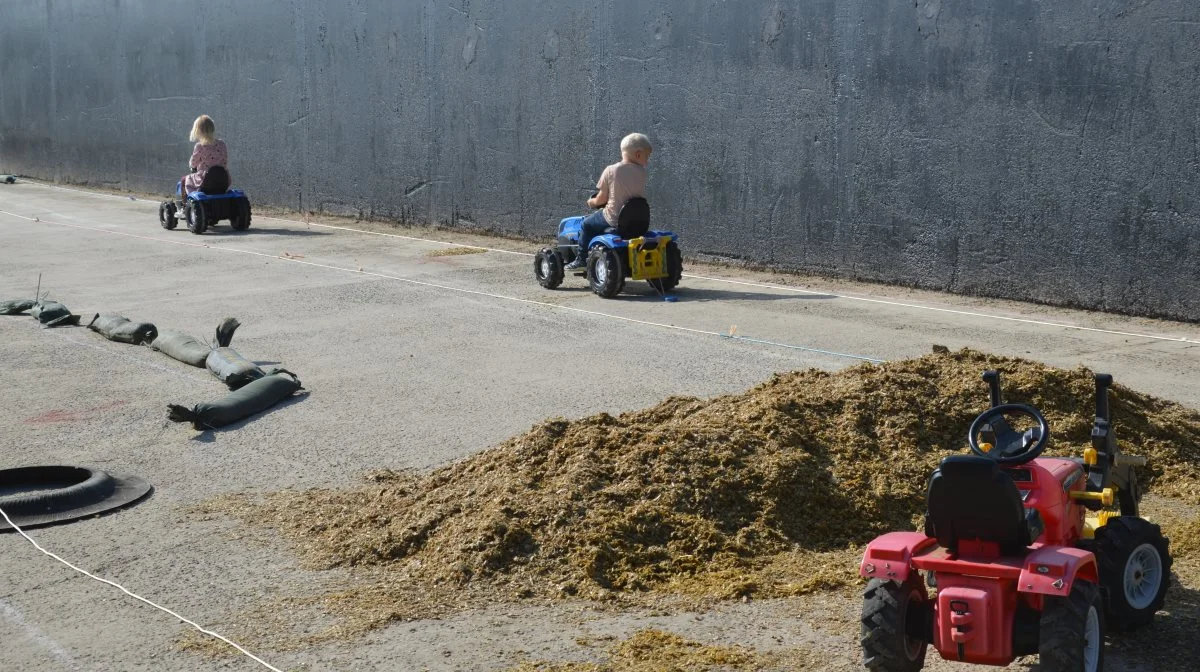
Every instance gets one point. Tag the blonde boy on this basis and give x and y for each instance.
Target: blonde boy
(618, 183)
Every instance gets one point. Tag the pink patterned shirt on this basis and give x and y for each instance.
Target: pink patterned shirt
(203, 158)
(207, 156)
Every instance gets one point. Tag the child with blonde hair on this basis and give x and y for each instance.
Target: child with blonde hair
(208, 152)
(618, 183)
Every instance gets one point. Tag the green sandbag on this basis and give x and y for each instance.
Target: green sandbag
(178, 345)
(122, 329)
(53, 314)
(255, 397)
(16, 306)
(185, 348)
(231, 368)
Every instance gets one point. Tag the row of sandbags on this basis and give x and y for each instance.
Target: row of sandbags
(253, 389)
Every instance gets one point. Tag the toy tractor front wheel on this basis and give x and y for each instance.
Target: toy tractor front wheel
(895, 625)
(548, 268)
(193, 212)
(1072, 631)
(1135, 569)
(166, 215)
(605, 271)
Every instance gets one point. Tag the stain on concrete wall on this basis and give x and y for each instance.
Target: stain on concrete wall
(1025, 148)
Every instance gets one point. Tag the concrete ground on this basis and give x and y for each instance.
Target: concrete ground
(412, 360)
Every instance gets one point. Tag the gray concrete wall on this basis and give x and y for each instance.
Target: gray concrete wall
(1033, 149)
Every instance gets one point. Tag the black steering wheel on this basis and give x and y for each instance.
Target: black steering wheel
(1006, 445)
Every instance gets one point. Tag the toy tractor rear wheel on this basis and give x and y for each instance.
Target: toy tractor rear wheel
(1135, 569)
(674, 270)
(605, 271)
(1072, 631)
(193, 211)
(548, 268)
(241, 216)
(895, 625)
(166, 215)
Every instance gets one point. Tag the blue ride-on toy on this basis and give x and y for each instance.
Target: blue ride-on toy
(205, 207)
(630, 250)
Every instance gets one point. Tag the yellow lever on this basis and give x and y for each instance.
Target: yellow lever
(1105, 496)
(1090, 457)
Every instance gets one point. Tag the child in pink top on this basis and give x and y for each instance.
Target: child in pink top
(208, 152)
(618, 183)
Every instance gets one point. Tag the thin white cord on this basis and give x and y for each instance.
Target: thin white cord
(135, 596)
(848, 297)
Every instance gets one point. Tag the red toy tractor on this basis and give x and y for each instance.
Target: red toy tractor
(1022, 554)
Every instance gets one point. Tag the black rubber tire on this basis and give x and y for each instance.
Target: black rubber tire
(193, 212)
(674, 270)
(895, 619)
(166, 215)
(241, 219)
(548, 268)
(614, 271)
(1063, 630)
(1114, 546)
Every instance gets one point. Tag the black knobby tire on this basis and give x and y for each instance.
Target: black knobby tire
(548, 268)
(605, 271)
(1068, 640)
(1135, 569)
(166, 215)
(895, 619)
(197, 223)
(674, 270)
(241, 216)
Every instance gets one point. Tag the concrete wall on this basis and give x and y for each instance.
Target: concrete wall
(1035, 149)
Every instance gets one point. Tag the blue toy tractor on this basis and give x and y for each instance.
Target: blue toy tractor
(205, 207)
(631, 250)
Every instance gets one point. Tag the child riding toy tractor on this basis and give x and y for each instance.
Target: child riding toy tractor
(1026, 554)
(630, 250)
(211, 203)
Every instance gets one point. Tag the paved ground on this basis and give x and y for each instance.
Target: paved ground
(412, 360)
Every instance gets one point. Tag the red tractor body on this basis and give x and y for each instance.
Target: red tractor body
(1018, 565)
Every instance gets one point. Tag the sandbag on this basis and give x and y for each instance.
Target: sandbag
(16, 306)
(122, 329)
(53, 314)
(232, 368)
(178, 345)
(254, 397)
(225, 331)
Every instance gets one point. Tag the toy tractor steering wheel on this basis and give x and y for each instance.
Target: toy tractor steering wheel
(1006, 445)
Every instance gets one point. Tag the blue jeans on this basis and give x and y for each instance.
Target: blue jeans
(592, 226)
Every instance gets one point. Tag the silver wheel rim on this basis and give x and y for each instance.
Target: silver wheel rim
(546, 266)
(1092, 641)
(1143, 576)
(602, 269)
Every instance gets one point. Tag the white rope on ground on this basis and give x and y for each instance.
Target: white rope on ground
(785, 288)
(462, 290)
(135, 596)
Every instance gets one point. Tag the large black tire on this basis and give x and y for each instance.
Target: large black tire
(1071, 637)
(674, 270)
(241, 216)
(548, 268)
(197, 222)
(166, 215)
(1135, 570)
(605, 271)
(895, 625)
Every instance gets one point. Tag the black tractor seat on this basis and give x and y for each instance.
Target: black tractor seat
(216, 181)
(971, 498)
